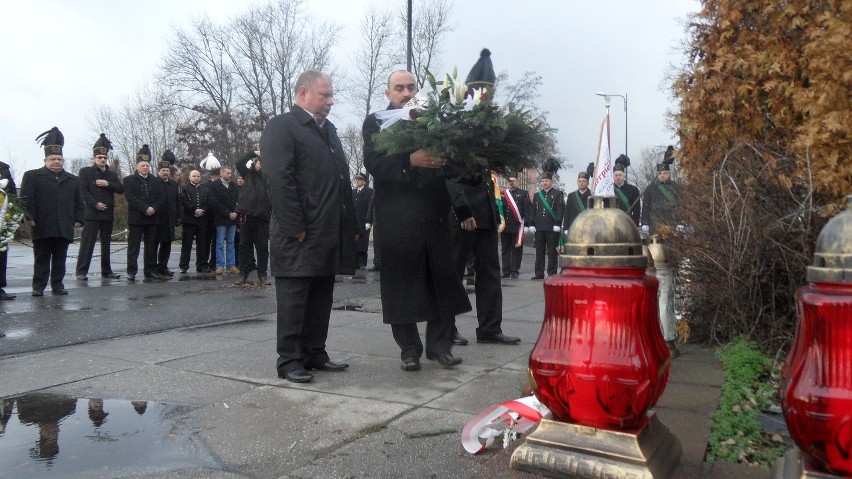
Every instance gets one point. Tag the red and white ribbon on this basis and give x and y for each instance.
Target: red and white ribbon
(519, 239)
(507, 419)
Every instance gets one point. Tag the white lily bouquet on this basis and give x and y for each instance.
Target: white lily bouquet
(464, 126)
(11, 215)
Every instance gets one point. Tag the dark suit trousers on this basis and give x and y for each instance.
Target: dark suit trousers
(304, 308)
(146, 234)
(92, 229)
(439, 334)
(489, 293)
(4, 257)
(164, 252)
(50, 254)
(198, 233)
(545, 243)
(511, 255)
(254, 236)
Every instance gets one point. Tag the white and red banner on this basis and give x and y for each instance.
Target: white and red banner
(602, 182)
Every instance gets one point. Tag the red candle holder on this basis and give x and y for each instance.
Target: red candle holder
(816, 389)
(600, 362)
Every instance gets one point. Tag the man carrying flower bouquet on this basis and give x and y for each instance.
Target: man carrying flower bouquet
(418, 282)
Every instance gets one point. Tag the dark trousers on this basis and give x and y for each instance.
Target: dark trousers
(362, 259)
(50, 254)
(254, 236)
(4, 257)
(303, 311)
(512, 255)
(138, 234)
(545, 243)
(439, 334)
(198, 233)
(92, 230)
(164, 252)
(210, 259)
(377, 253)
(489, 293)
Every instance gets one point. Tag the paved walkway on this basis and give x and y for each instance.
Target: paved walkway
(373, 420)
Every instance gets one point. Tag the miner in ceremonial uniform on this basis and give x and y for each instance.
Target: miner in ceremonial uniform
(626, 195)
(145, 199)
(362, 196)
(545, 222)
(54, 200)
(661, 197)
(195, 207)
(578, 200)
(169, 217)
(516, 204)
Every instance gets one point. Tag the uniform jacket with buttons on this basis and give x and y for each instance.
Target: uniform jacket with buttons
(541, 217)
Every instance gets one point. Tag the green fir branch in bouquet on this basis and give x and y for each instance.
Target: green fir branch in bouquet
(466, 127)
(12, 214)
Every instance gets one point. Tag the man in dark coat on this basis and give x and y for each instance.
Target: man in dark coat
(475, 220)
(418, 282)
(195, 204)
(255, 211)
(54, 200)
(516, 204)
(626, 195)
(661, 197)
(6, 174)
(100, 185)
(145, 199)
(362, 196)
(224, 195)
(169, 216)
(313, 227)
(371, 229)
(545, 222)
(578, 200)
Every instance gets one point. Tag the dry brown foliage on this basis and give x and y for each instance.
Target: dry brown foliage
(764, 121)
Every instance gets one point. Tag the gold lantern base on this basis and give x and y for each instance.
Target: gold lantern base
(793, 466)
(563, 450)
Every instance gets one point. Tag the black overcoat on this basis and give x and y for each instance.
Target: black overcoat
(94, 194)
(142, 193)
(307, 181)
(411, 207)
(659, 204)
(55, 202)
(223, 201)
(253, 199)
(362, 200)
(169, 216)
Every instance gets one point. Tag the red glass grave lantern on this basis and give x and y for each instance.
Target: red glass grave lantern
(816, 389)
(600, 359)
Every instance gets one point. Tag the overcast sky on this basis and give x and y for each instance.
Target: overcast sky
(60, 59)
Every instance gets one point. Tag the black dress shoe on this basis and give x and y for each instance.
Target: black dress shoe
(158, 275)
(498, 339)
(410, 364)
(329, 365)
(374, 268)
(167, 272)
(59, 292)
(504, 275)
(82, 277)
(514, 276)
(444, 359)
(183, 270)
(38, 293)
(131, 277)
(459, 340)
(296, 376)
(111, 275)
(4, 296)
(537, 277)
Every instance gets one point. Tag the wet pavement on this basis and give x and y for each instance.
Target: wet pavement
(201, 355)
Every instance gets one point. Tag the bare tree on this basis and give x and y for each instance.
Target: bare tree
(430, 24)
(353, 144)
(375, 57)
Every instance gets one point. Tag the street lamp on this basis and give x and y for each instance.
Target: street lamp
(623, 97)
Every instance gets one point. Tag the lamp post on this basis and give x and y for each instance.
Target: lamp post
(623, 97)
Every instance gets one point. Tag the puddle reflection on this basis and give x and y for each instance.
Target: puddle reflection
(52, 435)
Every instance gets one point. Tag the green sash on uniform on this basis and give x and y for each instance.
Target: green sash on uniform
(552, 215)
(666, 193)
(579, 202)
(623, 197)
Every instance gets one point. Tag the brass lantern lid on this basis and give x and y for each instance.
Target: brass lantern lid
(603, 237)
(833, 253)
